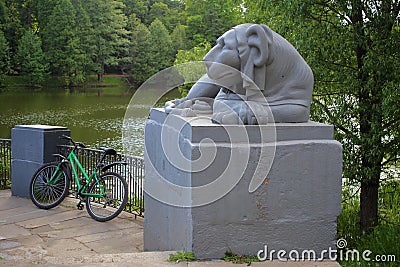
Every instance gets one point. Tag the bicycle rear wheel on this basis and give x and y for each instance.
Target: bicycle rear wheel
(45, 194)
(113, 201)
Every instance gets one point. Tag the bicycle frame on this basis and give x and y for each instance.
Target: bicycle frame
(75, 165)
(103, 190)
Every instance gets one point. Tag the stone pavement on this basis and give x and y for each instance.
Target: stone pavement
(66, 236)
(37, 236)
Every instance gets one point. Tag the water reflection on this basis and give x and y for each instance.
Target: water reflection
(93, 119)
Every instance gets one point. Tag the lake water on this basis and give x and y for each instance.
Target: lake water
(94, 116)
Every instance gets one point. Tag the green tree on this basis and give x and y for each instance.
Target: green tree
(109, 34)
(173, 4)
(31, 58)
(62, 45)
(196, 29)
(43, 10)
(3, 13)
(141, 67)
(133, 22)
(169, 17)
(209, 19)
(353, 49)
(4, 57)
(85, 36)
(151, 50)
(180, 40)
(192, 55)
(162, 53)
(159, 11)
(26, 13)
(140, 8)
(12, 28)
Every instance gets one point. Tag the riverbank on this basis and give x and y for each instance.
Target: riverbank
(109, 80)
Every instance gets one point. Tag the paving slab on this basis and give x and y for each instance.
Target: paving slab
(94, 236)
(51, 217)
(75, 222)
(11, 231)
(65, 247)
(93, 230)
(110, 245)
(10, 203)
(41, 230)
(14, 210)
(18, 215)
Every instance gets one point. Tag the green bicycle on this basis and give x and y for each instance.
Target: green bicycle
(105, 194)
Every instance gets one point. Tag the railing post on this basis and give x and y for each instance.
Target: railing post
(5, 163)
(32, 146)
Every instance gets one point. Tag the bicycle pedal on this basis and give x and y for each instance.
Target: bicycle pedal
(80, 206)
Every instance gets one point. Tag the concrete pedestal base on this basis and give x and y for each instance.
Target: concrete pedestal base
(294, 207)
(32, 146)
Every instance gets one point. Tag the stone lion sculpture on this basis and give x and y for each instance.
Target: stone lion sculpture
(251, 73)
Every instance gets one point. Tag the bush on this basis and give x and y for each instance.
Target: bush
(384, 239)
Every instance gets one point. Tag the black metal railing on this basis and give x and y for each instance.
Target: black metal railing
(133, 173)
(5, 163)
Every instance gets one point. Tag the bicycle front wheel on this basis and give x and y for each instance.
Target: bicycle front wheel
(114, 191)
(49, 186)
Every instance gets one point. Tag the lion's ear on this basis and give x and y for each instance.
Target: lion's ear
(258, 39)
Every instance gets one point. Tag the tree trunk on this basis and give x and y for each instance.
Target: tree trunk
(371, 160)
(369, 99)
(371, 152)
(369, 205)
(370, 114)
(99, 77)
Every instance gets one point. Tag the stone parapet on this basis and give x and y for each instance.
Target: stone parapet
(212, 188)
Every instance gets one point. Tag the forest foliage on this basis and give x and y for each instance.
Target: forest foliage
(73, 38)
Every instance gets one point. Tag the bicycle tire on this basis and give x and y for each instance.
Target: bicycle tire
(113, 202)
(46, 196)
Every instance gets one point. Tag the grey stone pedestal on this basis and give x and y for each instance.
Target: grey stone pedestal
(286, 199)
(31, 146)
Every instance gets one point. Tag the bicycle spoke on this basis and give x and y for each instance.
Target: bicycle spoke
(114, 196)
(47, 195)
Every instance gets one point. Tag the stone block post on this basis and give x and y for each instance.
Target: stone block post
(32, 146)
(243, 199)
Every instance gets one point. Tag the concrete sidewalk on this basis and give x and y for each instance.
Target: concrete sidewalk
(66, 236)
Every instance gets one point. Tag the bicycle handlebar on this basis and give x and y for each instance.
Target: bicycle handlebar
(108, 151)
(76, 144)
(82, 145)
(65, 137)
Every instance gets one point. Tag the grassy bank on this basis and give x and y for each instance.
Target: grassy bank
(90, 82)
(109, 80)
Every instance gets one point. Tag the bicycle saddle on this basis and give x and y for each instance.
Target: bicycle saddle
(109, 151)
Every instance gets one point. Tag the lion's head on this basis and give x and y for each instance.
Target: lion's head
(246, 48)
